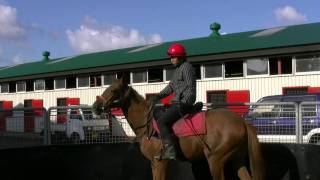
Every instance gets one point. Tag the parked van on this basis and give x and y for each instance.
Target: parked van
(276, 118)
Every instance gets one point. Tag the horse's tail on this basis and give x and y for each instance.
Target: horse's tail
(255, 155)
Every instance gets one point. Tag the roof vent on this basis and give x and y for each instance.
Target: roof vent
(46, 55)
(215, 27)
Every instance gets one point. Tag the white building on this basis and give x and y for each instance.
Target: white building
(238, 67)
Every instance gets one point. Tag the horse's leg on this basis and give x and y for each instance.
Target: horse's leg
(159, 169)
(216, 166)
(217, 159)
(243, 173)
(216, 163)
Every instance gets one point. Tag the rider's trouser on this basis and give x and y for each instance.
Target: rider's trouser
(166, 118)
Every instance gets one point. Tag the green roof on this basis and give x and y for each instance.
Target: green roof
(296, 35)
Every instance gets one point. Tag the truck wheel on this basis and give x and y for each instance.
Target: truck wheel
(75, 138)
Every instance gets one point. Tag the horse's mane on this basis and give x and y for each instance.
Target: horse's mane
(135, 95)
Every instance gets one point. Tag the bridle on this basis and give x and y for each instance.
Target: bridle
(121, 101)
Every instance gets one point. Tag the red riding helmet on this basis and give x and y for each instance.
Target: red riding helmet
(176, 50)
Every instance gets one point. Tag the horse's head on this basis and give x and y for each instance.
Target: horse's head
(113, 95)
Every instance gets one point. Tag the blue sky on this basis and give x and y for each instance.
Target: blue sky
(70, 27)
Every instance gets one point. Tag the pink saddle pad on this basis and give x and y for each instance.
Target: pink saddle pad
(189, 125)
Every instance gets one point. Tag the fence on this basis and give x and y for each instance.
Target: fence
(77, 124)
(21, 127)
(275, 123)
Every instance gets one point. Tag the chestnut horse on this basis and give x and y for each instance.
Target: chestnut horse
(228, 137)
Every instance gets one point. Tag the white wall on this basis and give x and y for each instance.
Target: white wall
(258, 87)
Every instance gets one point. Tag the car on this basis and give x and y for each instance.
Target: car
(276, 118)
(77, 124)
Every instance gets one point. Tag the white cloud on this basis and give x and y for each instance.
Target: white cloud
(94, 36)
(9, 26)
(17, 59)
(289, 15)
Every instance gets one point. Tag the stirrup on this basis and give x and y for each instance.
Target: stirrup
(164, 153)
(160, 157)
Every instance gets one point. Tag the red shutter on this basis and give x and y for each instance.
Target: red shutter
(5, 114)
(37, 103)
(73, 101)
(167, 99)
(238, 97)
(313, 89)
(7, 105)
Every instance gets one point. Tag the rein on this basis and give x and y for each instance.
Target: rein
(149, 131)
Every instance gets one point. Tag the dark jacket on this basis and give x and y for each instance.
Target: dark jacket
(183, 84)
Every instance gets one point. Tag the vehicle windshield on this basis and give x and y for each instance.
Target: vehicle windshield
(266, 108)
(75, 114)
(87, 114)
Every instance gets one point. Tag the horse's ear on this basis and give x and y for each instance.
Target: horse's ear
(124, 81)
(100, 99)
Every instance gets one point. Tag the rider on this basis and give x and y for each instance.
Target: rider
(183, 85)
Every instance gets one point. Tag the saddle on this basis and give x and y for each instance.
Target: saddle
(189, 125)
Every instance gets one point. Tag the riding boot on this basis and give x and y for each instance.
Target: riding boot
(168, 152)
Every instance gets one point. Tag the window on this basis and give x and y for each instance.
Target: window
(139, 76)
(71, 82)
(197, 69)
(75, 114)
(12, 87)
(95, 80)
(280, 65)
(125, 75)
(28, 104)
(83, 81)
(308, 63)
(155, 75)
(233, 69)
(29, 85)
(109, 78)
(60, 83)
(39, 84)
(4, 87)
(295, 90)
(61, 102)
(213, 70)
(49, 84)
(169, 73)
(21, 86)
(269, 110)
(307, 109)
(216, 97)
(257, 66)
(87, 113)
